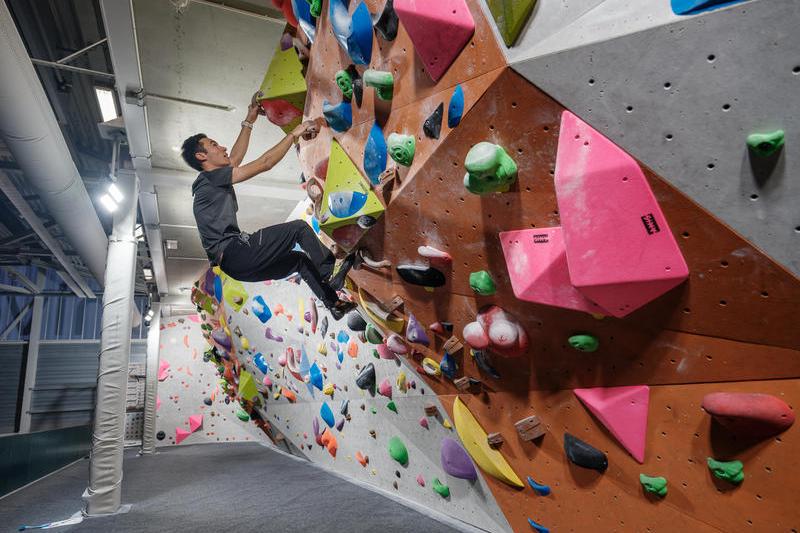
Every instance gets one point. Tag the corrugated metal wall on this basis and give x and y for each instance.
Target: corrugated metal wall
(11, 357)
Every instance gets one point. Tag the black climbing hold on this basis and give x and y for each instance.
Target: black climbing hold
(448, 326)
(418, 275)
(366, 378)
(161, 435)
(583, 454)
(207, 401)
(358, 84)
(323, 328)
(355, 321)
(366, 221)
(433, 124)
(387, 23)
(227, 399)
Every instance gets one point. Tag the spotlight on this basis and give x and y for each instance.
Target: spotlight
(115, 193)
(108, 203)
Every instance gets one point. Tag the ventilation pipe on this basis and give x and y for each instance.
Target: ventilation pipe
(29, 129)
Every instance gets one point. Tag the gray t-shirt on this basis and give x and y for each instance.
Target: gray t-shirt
(215, 209)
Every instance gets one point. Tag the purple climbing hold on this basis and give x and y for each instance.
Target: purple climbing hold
(271, 336)
(415, 332)
(456, 461)
(340, 424)
(221, 338)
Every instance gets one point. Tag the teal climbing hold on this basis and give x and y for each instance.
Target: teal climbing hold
(455, 109)
(489, 169)
(584, 343)
(482, 283)
(766, 144)
(398, 450)
(382, 81)
(692, 7)
(401, 148)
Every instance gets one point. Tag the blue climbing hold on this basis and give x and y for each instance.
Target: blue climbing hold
(315, 374)
(342, 337)
(541, 490)
(354, 33)
(455, 109)
(375, 154)
(258, 360)
(340, 356)
(261, 309)
(538, 527)
(326, 414)
(344, 204)
(448, 366)
(307, 21)
(315, 224)
(339, 116)
(692, 7)
(484, 363)
(218, 288)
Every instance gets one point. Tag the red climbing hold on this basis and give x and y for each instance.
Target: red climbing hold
(756, 415)
(623, 411)
(439, 30)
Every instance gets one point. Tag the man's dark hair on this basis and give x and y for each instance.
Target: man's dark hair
(190, 147)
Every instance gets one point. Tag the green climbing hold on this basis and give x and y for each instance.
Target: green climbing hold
(374, 411)
(382, 81)
(401, 148)
(510, 17)
(440, 488)
(398, 450)
(345, 83)
(242, 415)
(584, 343)
(391, 406)
(316, 7)
(656, 485)
(731, 471)
(489, 169)
(482, 283)
(373, 335)
(766, 144)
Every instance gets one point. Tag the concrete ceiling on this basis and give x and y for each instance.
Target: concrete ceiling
(210, 55)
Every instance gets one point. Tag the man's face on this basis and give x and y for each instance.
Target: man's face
(215, 154)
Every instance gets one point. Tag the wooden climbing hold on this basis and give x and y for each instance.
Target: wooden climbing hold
(530, 428)
(494, 439)
(431, 410)
(453, 345)
(462, 383)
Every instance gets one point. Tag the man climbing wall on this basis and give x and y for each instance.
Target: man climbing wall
(270, 252)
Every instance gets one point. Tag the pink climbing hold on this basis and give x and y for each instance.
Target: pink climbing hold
(195, 423)
(282, 359)
(475, 336)
(420, 480)
(536, 260)
(749, 414)
(163, 370)
(267, 381)
(396, 344)
(385, 388)
(158, 403)
(620, 251)
(384, 352)
(433, 253)
(423, 422)
(623, 411)
(439, 30)
(498, 330)
(180, 435)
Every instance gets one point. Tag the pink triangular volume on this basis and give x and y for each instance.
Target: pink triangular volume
(623, 411)
(181, 434)
(620, 251)
(439, 29)
(195, 422)
(537, 266)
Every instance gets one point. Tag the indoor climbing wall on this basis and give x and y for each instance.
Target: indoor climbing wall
(335, 392)
(190, 407)
(566, 281)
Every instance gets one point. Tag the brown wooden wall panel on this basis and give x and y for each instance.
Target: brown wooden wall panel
(734, 290)
(680, 437)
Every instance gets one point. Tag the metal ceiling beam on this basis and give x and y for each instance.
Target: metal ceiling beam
(14, 289)
(82, 51)
(79, 70)
(77, 283)
(14, 323)
(222, 6)
(22, 278)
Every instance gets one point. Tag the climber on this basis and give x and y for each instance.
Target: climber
(270, 252)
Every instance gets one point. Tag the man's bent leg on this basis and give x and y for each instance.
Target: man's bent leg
(300, 263)
(320, 256)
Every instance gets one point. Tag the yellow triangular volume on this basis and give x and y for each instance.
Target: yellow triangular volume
(347, 194)
(284, 77)
(474, 438)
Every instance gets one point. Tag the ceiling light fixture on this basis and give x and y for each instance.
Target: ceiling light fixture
(148, 274)
(108, 203)
(106, 102)
(172, 244)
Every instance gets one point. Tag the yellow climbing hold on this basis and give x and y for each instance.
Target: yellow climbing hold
(247, 386)
(245, 343)
(322, 349)
(233, 293)
(216, 270)
(431, 367)
(474, 438)
(401, 381)
(328, 389)
(447, 424)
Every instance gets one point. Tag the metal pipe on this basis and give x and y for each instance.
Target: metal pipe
(81, 51)
(79, 70)
(32, 356)
(151, 382)
(240, 11)
(29, 129)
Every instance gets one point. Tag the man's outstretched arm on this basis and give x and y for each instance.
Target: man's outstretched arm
(271, 157)
(243, 140)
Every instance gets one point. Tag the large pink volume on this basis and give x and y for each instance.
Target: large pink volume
(537, 266)
(439, 29)
(620, 250)
(623, 411)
